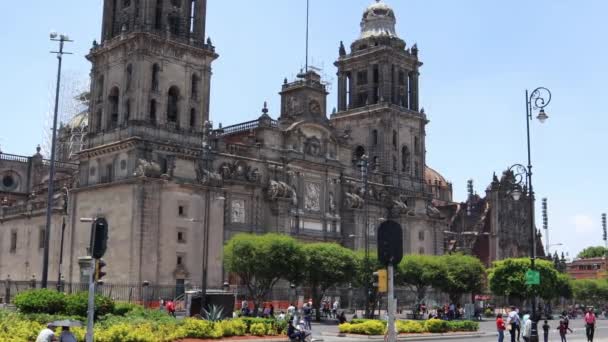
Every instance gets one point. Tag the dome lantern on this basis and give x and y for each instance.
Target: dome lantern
(378, 20)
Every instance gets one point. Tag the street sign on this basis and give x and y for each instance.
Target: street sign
(532, 277)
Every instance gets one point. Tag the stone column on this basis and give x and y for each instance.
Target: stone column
(200, 18)
(352, 84)
(371, 93)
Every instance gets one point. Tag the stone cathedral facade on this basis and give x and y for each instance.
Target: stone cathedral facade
(174, 188)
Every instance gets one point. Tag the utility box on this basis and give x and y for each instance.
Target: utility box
(221, 299)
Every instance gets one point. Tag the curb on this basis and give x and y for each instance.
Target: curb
(411, 337)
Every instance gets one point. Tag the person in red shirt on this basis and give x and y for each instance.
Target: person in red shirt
(500, 326)
(590, 324)
(170, 307)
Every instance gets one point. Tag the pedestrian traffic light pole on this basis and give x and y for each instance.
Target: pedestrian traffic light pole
(62, 39)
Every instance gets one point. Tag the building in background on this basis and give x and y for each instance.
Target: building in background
(592, 268)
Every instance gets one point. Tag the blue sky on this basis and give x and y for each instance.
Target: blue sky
(479, 57)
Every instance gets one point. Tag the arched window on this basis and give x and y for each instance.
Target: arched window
(155, 76)
(358, 154)
(395, 140)
(127, 110)
(129, 77)
(98, 120)
(172, 105)
(100, 82)
(417, 146)
(405, 159)
(374, 137)
(153, 111)
(192, 118)
(395, 163)
(416, 170)
(174, 25)
(114, 100)
(158, 15)
(194, 87)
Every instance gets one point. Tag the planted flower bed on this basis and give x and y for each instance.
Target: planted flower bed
(377, 327)
(121, 322)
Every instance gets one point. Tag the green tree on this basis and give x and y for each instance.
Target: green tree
(364, 278)
(592, 252)
(508, 278)
(465, 274)
(420, 272)
(261, 260)
(326, 265)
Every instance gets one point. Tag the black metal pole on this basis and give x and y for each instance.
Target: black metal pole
(49, 205)
(59, 282)
(534, 329)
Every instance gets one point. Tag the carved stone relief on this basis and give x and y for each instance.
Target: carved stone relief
(312, 198)
(237, 211)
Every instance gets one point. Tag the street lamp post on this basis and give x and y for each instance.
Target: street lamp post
(62, 39)
(363, 164)
(538, 99)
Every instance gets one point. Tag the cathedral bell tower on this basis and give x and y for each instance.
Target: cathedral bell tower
(378, 98)
(151, 72)
(150, 87)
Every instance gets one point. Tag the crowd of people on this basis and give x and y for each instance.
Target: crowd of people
(520, 326)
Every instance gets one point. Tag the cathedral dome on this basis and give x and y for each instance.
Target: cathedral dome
(79, 121)
(378, 20)
(431, 176)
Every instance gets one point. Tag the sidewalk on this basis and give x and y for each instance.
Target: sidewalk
(403, 337)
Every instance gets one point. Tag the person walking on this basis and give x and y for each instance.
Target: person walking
(527, 328)
(500, 327)
(546, 328)
(563, 328)
(307, 311)
(590, 324)
(514, 321)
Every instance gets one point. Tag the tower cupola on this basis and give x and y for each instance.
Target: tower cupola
(378, 21)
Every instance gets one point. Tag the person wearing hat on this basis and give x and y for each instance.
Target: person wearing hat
(47, 334)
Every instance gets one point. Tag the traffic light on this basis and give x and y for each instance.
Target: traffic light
(99, 273)
(99, 237)
(382, 281)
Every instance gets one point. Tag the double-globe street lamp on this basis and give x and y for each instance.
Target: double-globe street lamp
(538, 99)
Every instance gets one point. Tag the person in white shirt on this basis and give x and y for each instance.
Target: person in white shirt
(335, 308)
(47, 334)
(515, 322)
(66, 335)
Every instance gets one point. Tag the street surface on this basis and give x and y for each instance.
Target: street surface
(488, 327)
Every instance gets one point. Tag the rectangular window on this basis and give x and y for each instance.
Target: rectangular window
(401, 78)
(13, 241)
(182, 210)
(180, 260)
(376, 74)
(41, 233)
(421, 235)
(181, 237)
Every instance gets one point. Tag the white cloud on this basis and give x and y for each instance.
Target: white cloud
(583, 223)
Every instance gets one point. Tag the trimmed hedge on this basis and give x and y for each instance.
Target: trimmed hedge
(377, 327)
(45, 301)
(40, 301)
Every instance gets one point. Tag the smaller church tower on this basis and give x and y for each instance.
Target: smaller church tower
(304, 99)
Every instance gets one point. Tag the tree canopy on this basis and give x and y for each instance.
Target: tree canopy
(590, 291)
(326, 265)
(465, 274)
(420, 272)
(261, 260)
(592, 252)
(508, 278)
